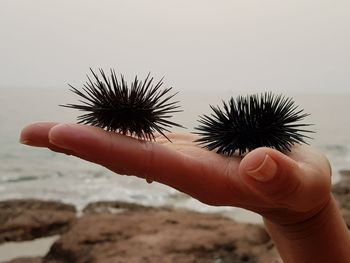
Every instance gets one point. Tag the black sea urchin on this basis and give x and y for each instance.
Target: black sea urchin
(138, 110)
(251, 122)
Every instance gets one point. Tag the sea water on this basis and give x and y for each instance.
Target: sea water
(27, 172)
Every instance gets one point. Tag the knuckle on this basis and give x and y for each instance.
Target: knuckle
(147, 160)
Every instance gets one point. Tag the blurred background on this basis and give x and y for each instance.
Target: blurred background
(206, 50)
(294, 46)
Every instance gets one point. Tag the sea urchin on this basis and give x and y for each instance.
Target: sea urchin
(138, 110)
(251, 122)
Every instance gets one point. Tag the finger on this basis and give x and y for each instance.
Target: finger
(36, 134)
(318, 170)
(185, 137)
(122, 154)
(282, 181)
(153, 161)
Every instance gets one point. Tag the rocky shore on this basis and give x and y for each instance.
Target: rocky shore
(121, 232)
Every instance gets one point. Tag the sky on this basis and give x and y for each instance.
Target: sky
(200, 45)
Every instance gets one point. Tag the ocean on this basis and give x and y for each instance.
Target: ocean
(27, 172)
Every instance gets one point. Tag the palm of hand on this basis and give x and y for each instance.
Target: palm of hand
(277, 200)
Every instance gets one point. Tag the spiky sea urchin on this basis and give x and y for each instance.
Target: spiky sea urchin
(257, 120)
(138, 110)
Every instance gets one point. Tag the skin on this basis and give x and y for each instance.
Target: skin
(291, 192)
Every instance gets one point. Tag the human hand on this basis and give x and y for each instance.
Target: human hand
(283, 189)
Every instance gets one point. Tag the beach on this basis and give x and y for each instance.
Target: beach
(125, 232)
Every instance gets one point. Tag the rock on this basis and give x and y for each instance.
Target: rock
(161, 235)
(121, 232)
(341, 192)
(27, 260)
(345, 174)
(113, 207)
(30, 219)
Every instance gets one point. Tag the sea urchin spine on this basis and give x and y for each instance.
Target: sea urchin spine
(251, 122)
(138, 110)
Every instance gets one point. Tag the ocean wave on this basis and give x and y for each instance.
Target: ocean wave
(338, 149)
(19, 179)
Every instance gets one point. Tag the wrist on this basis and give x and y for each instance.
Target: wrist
(320, 237)
(299, 225)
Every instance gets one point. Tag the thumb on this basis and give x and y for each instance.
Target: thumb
(277, 179)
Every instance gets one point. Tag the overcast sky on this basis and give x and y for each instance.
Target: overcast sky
(291, 45)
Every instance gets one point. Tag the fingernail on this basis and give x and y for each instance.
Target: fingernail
(24, 141)
(266, 170)
(60, 134)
